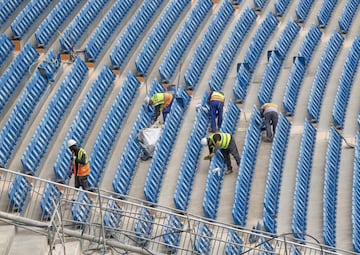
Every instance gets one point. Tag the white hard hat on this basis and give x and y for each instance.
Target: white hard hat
(204, 141)
(147, 100)
(71, 142)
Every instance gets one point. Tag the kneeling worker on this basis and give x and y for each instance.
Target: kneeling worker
(270, 113)
(226, 143)
(162, 103)
(80, 165)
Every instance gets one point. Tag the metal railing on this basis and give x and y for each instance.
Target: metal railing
(137, 232)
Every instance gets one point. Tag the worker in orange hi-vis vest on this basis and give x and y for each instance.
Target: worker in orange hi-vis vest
(162, 103)
(79, 165)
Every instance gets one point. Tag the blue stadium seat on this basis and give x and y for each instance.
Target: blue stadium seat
(143, 226)
(325, 12)
(242, 82)
(355, 216)
(259, 4)
(302, 9)
(112, 218)
(281, 7)
(172, 233)
(234, 244)
(203, 236)
(7, 8)
(18, 193)
(310, 43)
(81, 209)
(50, 200)
(6, 47)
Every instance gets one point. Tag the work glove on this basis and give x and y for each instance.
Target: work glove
(208, 157)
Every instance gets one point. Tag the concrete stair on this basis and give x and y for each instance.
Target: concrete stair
(27, 242)
(7, 234)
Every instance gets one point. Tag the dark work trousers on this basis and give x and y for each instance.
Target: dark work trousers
(81, 181)
(270, 119)
(216, 111)
(232, 149)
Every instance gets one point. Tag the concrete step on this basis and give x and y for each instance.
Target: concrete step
(28, 242)
(7, 234)
(72, 247)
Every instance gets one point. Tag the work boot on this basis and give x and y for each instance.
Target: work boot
(228, 171)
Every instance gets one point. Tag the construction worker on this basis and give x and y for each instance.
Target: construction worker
(270, 113)
(79, 165)
(226, 143)
(162, 103)
(216, 101)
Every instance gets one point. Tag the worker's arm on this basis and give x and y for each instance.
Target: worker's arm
(81, 160)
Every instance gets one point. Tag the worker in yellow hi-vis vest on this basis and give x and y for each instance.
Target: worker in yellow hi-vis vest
(162, 103)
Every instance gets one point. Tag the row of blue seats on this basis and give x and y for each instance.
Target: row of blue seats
(299, 68)
(6, 47)
(159, 34)
(50, 66)
(322, 75)
(111, 128)
(80, 24)
(259, 4)
(276, 167)
(106, 28)
(183, 39)
(19, 116)
(143, 226)
(133, 31)
(302, 9)
(130, 156)
(15, 73)
(41, 139)
(7, 8)
(281, 7)
(83, 121)
(247, 168)
(270, 77)
(302, 182)
(164, 146)
(326, 12)
(229, 51)
(310, 43)
(345, 84)
(81, 209)
(332, 166)
(202, 53)
(190, 162)
(234, 244)
(19, 193)
(258, 42)
(202, 243)
(265, 247)
(172, 233)
(112, 218)
(287, 38)
(50, 200)
(347, 16)
(275, 62)
(242, 82)
(56, 18)
(355, 197)
(217, 166)
(27, 17)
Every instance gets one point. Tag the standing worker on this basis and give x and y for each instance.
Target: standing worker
(216, 101)
(162, 103)
(226, 143)
(270, 113)
(79, 164)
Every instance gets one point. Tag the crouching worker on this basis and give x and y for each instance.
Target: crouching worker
(162, 103)
(226, 143)
(79, 165)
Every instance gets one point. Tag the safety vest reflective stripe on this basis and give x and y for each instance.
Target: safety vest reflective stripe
(83, 169)
(224, 141)
(217, 96)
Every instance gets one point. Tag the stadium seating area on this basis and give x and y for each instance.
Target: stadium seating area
(302, 55)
